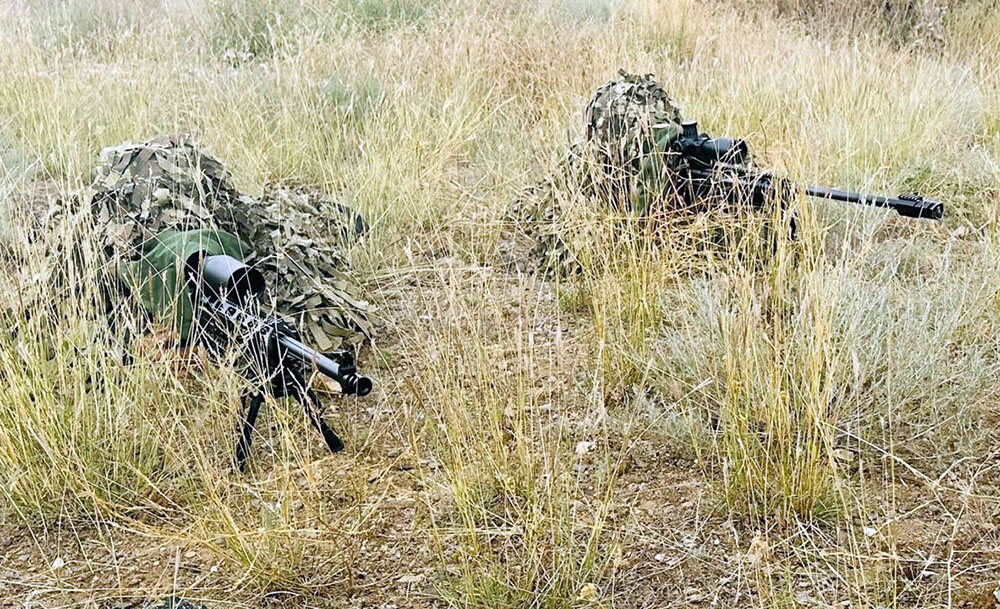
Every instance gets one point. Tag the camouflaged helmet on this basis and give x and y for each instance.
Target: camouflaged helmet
(626, 118)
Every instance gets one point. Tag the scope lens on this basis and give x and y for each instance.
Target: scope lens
(230, 278)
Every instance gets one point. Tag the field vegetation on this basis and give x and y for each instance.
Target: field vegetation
(676, 426)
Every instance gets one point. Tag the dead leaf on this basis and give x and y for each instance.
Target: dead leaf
(844, 456)
(759, 550)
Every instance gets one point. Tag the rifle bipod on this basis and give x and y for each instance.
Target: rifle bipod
(251, 403)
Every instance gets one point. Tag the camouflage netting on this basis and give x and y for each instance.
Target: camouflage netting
(296, 240)
(622, 165)
(298, 243)
(166, 182)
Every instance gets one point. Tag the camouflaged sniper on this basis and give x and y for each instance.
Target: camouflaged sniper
(622, 164)
(640, 158)
(167, 183)
(631, 122)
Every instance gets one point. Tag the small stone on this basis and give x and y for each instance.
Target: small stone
(58, 563)
(869, 532)
(589, 592)
(844, 456)
(583, 448)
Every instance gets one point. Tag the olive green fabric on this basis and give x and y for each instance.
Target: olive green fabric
(156, 276)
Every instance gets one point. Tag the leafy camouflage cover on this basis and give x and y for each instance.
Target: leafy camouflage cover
(163, 183)
(168, 183)
(623, 164)
(631, 122)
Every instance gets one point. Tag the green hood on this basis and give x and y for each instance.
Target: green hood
(157, 277)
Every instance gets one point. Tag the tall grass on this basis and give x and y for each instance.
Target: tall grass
(518, 418)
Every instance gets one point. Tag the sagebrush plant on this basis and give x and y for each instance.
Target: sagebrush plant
(802, 378)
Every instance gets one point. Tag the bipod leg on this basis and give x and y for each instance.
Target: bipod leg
(243, 444)
(310, 402)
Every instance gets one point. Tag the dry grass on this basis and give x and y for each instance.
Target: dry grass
(676, 426)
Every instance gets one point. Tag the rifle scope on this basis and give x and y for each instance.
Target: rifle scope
(709, 150)
(226, 277)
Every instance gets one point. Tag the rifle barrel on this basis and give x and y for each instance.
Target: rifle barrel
(911, 206)
(350, 381)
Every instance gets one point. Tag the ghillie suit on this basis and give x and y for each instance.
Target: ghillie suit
(627, 164)
(168, 184)
(602, 173)
(631, 123)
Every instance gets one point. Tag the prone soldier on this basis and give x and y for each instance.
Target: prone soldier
(639, 157)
